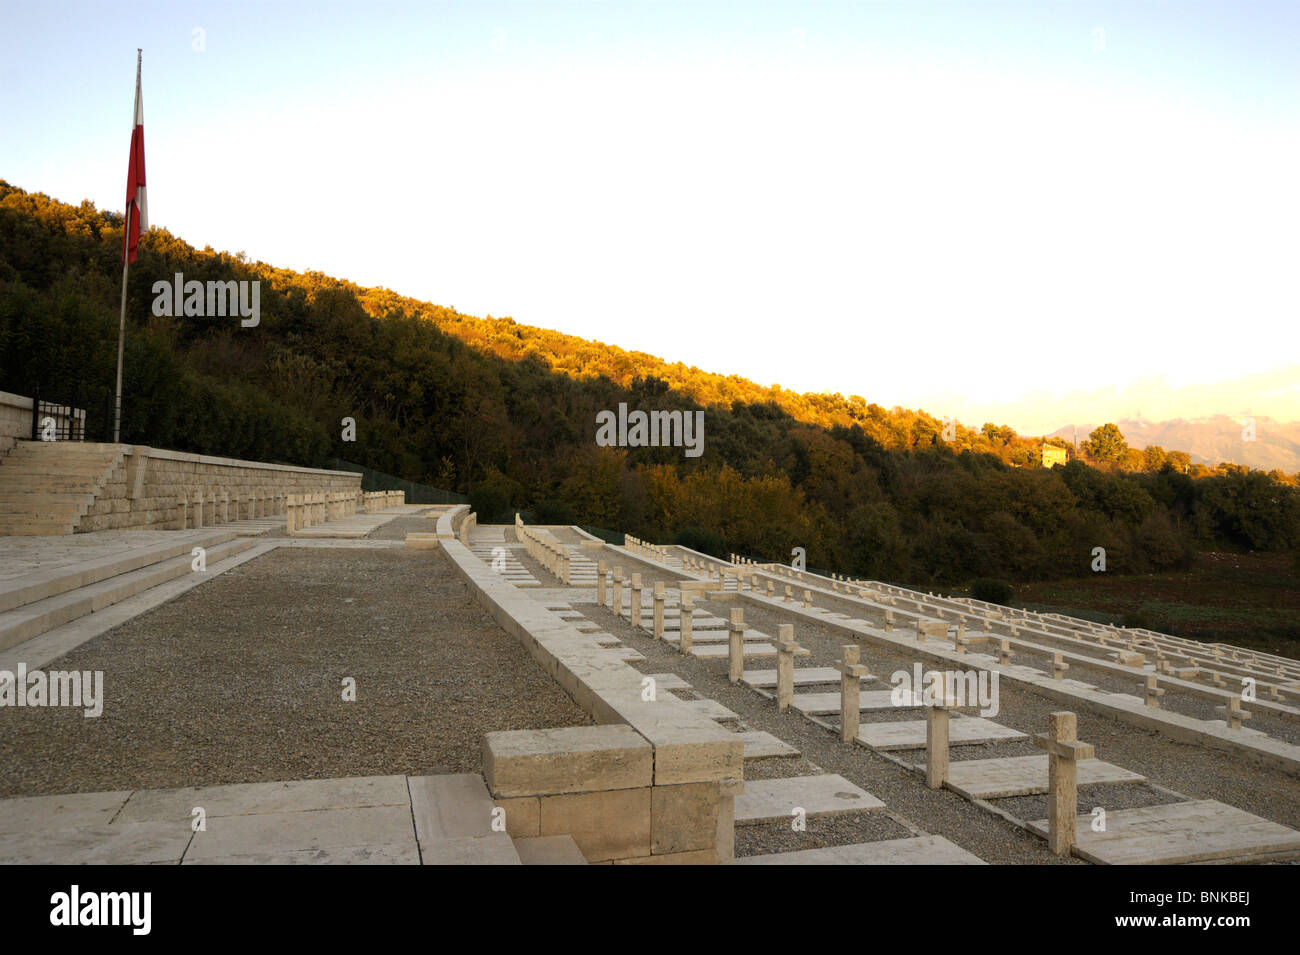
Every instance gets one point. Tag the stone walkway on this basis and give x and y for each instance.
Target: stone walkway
(395, 820)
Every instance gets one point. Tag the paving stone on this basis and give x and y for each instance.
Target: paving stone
(31, 813)
(137, 843)
(287, 831)
(403, 854)
(177, 805)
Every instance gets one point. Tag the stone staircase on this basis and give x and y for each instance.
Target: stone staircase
(47, 487)
(35, 603)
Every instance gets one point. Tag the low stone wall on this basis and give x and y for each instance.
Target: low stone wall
(173, 490)
(655, 782)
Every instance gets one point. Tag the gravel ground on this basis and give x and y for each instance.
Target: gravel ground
(1192, 770)
(822, 831)
(239, 680)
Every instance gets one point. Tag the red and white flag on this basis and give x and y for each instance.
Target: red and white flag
(137, 209)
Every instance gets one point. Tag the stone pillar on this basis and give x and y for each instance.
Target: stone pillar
(1153, 691)
(851, 674)
(659, 597)
(685, 623)
(786, 648)
(788, 592)
(198, 508)
(601, 570)
(936, 742)
(1063, 753)
(182, 507)
(807, 598)
(771, 590)
(736, 645)
(634, 612)
(1005, 653)
(616, 604)
(289, 515)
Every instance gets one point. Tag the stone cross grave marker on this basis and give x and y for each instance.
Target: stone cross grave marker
(736, 645)
(938, 716)
(786, 648)
(685, 623)
(1153, 691)
(852, 673)
(659, 597)
(1063, 754)
(1233, 713)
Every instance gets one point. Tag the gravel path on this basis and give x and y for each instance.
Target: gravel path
(239, 680)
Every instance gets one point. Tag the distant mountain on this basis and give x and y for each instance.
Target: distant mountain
(1214, 439)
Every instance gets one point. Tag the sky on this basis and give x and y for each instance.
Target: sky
(1032, 213)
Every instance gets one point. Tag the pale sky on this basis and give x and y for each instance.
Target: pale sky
(1034, 213)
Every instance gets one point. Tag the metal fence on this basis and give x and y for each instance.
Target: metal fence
(416, 493)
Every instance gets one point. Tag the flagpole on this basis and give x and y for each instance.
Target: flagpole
(121, 330)
(126, 265)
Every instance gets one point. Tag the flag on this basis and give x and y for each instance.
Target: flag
(138, 222)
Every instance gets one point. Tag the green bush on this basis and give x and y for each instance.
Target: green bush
(704, 541)
(552, 512)
(489, 503)
(991, 591)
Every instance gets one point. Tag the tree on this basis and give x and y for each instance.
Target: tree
(1106, 443)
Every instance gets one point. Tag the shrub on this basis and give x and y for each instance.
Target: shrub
(552, 512)
(704, 541)
(488, 503)
(991, 591)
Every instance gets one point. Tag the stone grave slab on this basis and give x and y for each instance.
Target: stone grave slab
(910, 734)
(820, 704)
(762, 745)
(669, 681)
(1025, 776)
(1202, 830)
(773, 800)
(920, 850)
(713, 710)
(803, 676)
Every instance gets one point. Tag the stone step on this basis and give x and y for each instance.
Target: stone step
(453, 822)
(40, 584)
(31, 528)
(33, 619)
(549, 850)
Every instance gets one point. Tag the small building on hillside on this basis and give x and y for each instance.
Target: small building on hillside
(1052, 455)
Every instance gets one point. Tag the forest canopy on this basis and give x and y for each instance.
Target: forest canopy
(507, 412)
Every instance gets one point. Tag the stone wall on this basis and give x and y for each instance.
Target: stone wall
(653, 783)
(16, 420)
(162, 489)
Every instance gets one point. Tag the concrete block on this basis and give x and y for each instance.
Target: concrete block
(683, 818)
(605, 825)
(567, 760)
